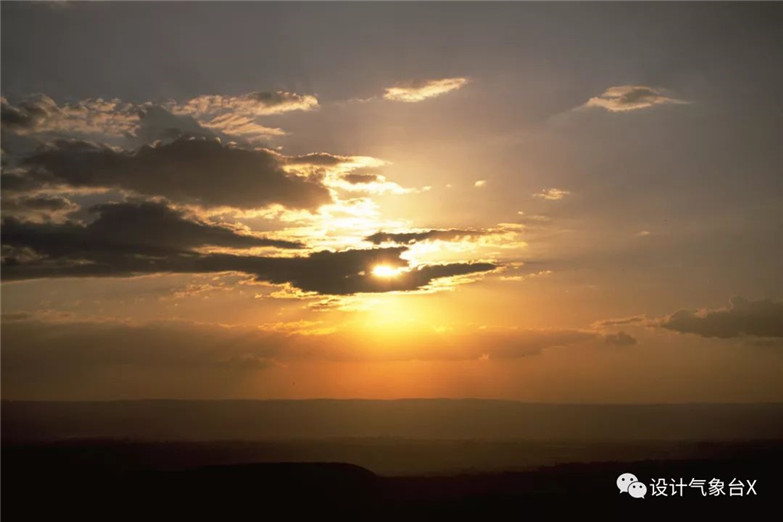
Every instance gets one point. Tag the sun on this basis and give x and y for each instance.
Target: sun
(385, 271)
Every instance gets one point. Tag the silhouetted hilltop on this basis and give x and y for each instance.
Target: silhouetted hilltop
(386, 456)
(335, 491)
(415, 418)
(429, 459)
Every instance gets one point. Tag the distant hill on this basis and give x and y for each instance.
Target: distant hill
(40, 490)
(378, 460)
(175, 420)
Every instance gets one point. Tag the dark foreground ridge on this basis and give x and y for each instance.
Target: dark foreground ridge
(39, 484)
(380, 460)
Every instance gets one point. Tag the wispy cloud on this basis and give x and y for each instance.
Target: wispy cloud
(237, 115)
(100, 119)
(408, 238)
(635, 320)
(40, 113)
(418, 90)
(551, 194)
(625, 98)
(259, 103)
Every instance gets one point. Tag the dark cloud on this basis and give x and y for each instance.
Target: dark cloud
(350, 271)
(281, 101)
(15, 118)
(17, 183)
(319, 159)
(158, 124)
(47, 203)
(407, 238)
(620, 339)
(357, 179)
(129, 239)
(192, 170)
(125, 229)
(37, 208)
(742, 317)
(181, 161)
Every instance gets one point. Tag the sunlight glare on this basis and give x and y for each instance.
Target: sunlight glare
(385, 271)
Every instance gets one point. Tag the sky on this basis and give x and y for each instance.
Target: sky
(542, 202)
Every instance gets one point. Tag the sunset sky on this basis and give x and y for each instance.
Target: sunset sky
(542, 202)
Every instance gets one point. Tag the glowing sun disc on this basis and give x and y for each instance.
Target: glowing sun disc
(385, 271)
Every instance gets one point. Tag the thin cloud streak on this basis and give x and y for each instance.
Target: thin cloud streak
(626, 98)
(419, 90)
